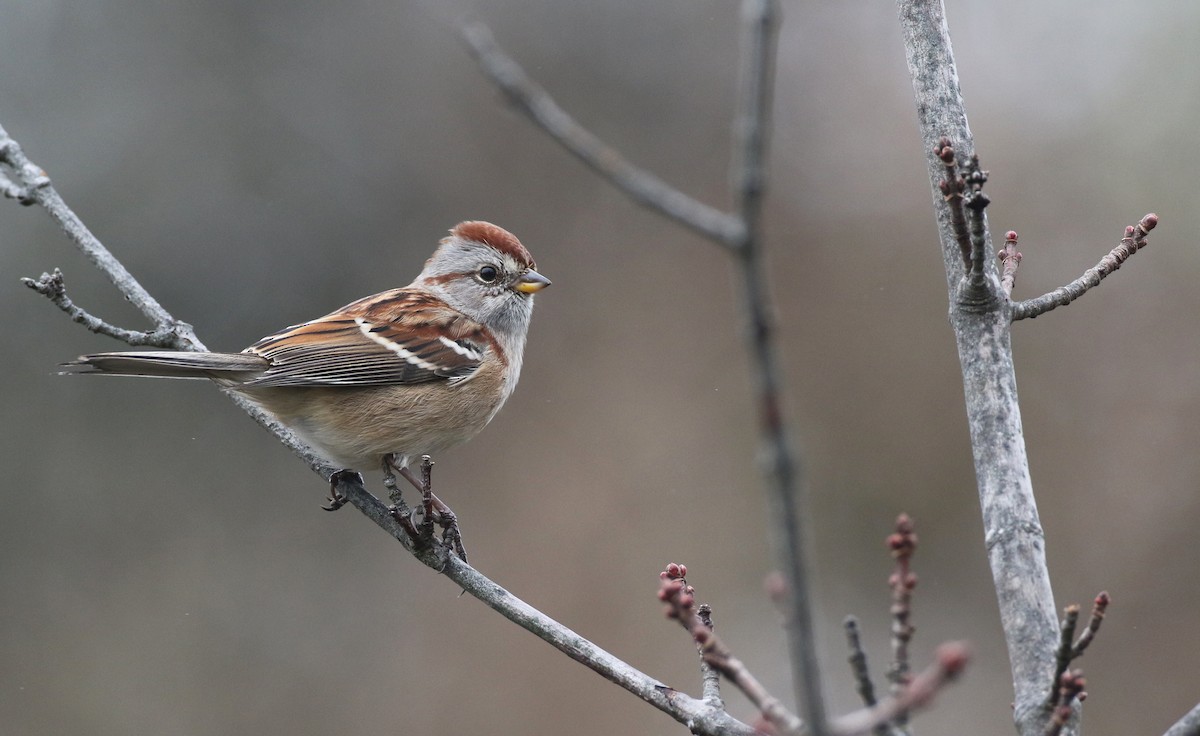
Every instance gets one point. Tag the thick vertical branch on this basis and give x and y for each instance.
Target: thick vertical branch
(1013, 532)
(779, 462)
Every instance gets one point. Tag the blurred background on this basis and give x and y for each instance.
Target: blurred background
(164, 563)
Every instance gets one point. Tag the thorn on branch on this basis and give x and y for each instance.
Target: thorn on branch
(1134, 240)
(1010, 260)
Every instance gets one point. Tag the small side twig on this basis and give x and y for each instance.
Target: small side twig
(710, 679)
(53, 287)
(1063, 655)
(1071, 689)
(950, 660)
(31, 185)
(1133, 241)
(1010, 259)
(902, 581)
(680, 600)
(858, 662)
(1099, 608)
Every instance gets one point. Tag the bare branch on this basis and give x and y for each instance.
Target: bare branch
(680, 600)
(1189, 725)
(641, 186)
(949, 661)
(1014, 537)
(1134, 240)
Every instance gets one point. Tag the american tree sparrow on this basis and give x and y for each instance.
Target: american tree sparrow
(390, 377)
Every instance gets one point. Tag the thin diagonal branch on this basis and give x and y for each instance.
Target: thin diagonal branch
(1189, 725)
(642, 186)
(741, 234)
(1134, 240)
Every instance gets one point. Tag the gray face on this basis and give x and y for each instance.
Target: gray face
(480, 282)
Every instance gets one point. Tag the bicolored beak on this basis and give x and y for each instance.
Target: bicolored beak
(530, 282)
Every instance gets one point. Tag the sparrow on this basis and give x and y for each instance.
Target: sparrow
(391, 377)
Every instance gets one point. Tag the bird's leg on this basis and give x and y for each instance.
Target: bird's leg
(399, 510)
(336, 499)
(435, 509)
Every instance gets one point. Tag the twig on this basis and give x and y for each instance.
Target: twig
(780, 465)
(695, 714)
(1010, 259)
(1071, 689)
(680, 604)
(1134, 240)
(642, 186)
(858, 662)
(950, 660)
(976, 202)
(1099, 608)
(1189, 725)
(952, 187)
(37, 187)
(740, 234)
(52, 286)
(1062, 655)
(710, 679)
(902, 581)
(1068, 651)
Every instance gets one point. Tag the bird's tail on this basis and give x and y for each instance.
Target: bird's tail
(237, 367)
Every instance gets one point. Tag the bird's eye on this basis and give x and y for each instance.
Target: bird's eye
(488, 274)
